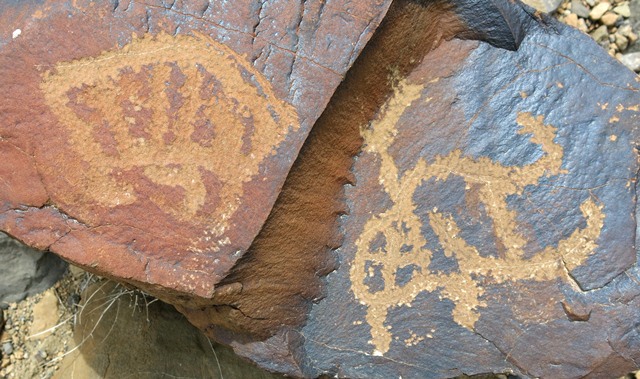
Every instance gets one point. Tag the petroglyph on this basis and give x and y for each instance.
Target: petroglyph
(404, 245)
(181, 121)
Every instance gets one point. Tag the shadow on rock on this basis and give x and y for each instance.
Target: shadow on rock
(121, 333)
(25, 271)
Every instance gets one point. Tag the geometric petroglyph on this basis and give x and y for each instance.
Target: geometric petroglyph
(182, 121)
(400, 227)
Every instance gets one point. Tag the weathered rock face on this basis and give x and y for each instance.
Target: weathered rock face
(488, 222)
(149, 141)
(492, 224)
(272, 286)
(25, 271)
(483, 234)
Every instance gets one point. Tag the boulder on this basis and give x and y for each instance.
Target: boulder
(25, 271)
(492, 223)
(149, 141)
(489, 224)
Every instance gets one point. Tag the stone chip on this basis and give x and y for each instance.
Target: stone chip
(599, 10)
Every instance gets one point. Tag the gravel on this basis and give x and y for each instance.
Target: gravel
(612, 24)
(24, 355)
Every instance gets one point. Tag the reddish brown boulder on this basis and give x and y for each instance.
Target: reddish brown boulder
(148, 141)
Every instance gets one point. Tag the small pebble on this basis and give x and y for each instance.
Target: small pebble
(571, 20)
(621, 41)
(7, 348)
(601, 34)
(579, 9)
(632, 61)
(582, 25)
(623, 10)
(609, 18)
(40, 355)
(625, 30)
(73, 301)
(599, 10)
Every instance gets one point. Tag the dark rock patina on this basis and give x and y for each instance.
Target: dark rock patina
(492, 224)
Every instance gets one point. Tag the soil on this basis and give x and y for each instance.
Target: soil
(28, 353)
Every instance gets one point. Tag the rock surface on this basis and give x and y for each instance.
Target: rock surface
(546, 6)
(485, 233)
(45, 316)
(492, 227)
(153, 150)
(119, 335)
(25, 271)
